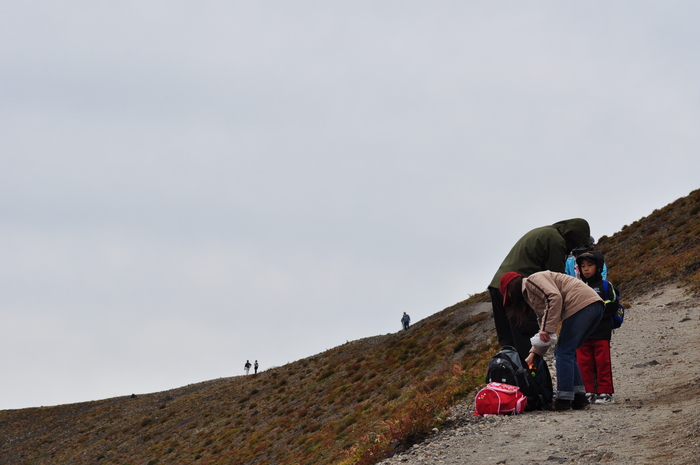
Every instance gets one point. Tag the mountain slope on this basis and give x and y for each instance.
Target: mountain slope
(351, 404)
(661, 248)
(352, 400)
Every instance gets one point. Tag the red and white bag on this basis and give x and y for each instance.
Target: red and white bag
(499, 399)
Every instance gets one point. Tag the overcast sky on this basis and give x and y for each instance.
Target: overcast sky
(188, 185)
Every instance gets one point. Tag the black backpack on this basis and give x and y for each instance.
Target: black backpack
(536, 384)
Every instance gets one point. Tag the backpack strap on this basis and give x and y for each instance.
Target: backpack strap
(606, 292)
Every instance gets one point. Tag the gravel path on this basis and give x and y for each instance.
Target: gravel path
(655, 417)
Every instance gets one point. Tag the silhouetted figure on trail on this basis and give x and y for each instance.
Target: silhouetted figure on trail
(405, 320)
(247, 366)
(255, 367)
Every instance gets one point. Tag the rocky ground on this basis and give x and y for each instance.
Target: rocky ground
(655, 417)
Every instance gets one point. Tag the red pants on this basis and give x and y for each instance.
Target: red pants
(593, 359)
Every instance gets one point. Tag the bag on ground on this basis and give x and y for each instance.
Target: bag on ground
(499, 399)
(542, 382)
(536, 383)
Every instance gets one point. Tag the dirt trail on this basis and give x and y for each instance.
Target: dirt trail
(655, 418)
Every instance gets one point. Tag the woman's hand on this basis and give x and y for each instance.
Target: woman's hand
(544, 336)
(530, 359)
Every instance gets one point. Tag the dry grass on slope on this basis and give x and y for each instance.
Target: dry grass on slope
(355, 403)
(351, 404)
(661, 248)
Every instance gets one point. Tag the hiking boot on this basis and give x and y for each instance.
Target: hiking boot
(559, 405)
(604, 399)
(580, 402)
(591, 397)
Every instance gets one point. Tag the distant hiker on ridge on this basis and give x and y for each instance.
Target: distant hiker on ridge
(255, 367)
(405, 320)
(247, 366)
(544, 248)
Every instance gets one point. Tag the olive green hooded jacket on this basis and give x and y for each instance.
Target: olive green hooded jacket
(545, 248)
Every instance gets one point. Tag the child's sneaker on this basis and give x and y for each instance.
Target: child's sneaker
(604, 399)
(591, 397)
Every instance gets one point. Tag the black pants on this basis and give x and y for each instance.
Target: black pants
(510, 333)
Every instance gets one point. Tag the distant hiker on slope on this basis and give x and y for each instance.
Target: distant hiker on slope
(255, 367)
(593, 356)
(544, 248)
(247, 366)
(405, 320)
(557, 298)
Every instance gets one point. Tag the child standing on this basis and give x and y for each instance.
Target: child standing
(594, 355)
(572, 268)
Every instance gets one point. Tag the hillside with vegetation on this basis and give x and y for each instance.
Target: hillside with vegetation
(352, 403)
(355, 403)
(658, 249)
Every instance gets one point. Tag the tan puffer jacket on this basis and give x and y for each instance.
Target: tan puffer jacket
(555, 297)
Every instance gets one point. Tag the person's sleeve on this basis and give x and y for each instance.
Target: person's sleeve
(570, 266)
(552, 315)
(610, 309)
(550, 298)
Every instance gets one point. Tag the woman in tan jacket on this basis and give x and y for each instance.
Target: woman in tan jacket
(557, 298)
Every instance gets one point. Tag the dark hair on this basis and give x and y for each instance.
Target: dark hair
(518, 308)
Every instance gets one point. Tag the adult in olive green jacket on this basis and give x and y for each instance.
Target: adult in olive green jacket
(544, 248)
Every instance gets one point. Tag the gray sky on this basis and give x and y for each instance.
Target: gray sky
(187, 185)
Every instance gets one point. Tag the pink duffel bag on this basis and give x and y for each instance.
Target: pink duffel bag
(499, 399)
